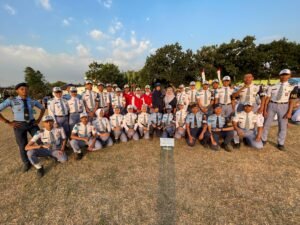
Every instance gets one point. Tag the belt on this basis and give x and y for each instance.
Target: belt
(61, 116)
(225, 104)
(279, 102)
(74, 113)
(28, 121)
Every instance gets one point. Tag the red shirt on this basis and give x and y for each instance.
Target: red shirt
(137, 102)
(128, 98)
(147, 99)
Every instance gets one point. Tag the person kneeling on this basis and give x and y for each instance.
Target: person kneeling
(130, 125)
(82, 136)
(248, 126)
(180, 121)
(168, 123)
(217, 128)
(53, 144)
(116, 122)
(143, 122)
(196, 126)
(103, 128)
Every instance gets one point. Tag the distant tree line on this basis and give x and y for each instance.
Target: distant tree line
(172, 64)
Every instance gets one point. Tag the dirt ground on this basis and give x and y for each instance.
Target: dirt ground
(138, 183)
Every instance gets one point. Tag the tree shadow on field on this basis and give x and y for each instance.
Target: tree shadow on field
(166, 201)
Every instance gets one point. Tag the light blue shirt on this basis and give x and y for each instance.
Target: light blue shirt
(17, 107)
(190, 119)
(153, 118)
(212, 121)
(68, 96)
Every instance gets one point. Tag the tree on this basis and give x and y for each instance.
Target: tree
(169, 65)
(38, 86)
(107, 73)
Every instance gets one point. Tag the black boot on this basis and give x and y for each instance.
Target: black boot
(79, 156)
(40, 172)
(26, 167)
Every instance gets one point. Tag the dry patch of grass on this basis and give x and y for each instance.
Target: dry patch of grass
(137, 183)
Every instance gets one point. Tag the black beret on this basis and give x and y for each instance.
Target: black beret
(21, 85)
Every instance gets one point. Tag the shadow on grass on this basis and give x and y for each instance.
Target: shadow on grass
(166, 201)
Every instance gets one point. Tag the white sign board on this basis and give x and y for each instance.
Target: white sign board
(167, 143)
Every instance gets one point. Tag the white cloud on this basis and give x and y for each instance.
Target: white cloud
(82, 51)
(67, 21)
(116, 26)
(45, 4)
(97, 34)
(10, 9)
(54, 66)
(106, 3)
(127, 54)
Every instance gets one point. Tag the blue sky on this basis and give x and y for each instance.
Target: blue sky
(61, 37)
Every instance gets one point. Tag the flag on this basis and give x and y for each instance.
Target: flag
(203, 75)
(219, 74)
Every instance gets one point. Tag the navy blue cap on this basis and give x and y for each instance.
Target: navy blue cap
(23, 84)
(157, 84)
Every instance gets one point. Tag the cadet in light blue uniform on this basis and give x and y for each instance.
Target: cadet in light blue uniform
(155, 122)
(195, 126)
(218, 127)
(23, 122)
(76, 106)
(83, 134)
(168, 123)
(53, 142)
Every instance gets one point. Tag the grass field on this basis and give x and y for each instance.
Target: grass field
(137, 183)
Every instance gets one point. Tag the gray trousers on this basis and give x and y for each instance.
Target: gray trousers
(74, 118)
(226, 110)
(144, 133)
(119, 134)
(77, 145)
(132, 134)
(33, 155)
(249, 136)
(63, 122)
(179, 133)
(105, 141)
(280, 110)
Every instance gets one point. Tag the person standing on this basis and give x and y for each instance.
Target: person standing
(223, 97)
(90, 99)
(147, 97)
(157, 98)
(248, 93)
(279, 100)
(76, 106)
(24, 121)
(58, 108)
(170, 99)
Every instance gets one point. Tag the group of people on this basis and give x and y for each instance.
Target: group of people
(216, 117)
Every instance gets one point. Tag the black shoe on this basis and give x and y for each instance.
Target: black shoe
(264, 143)
(117, 141)
(228, 148)
(237, 146)
(26, 167)
(214, 147)
(281, 147)
(40, 172)
(79, 156)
